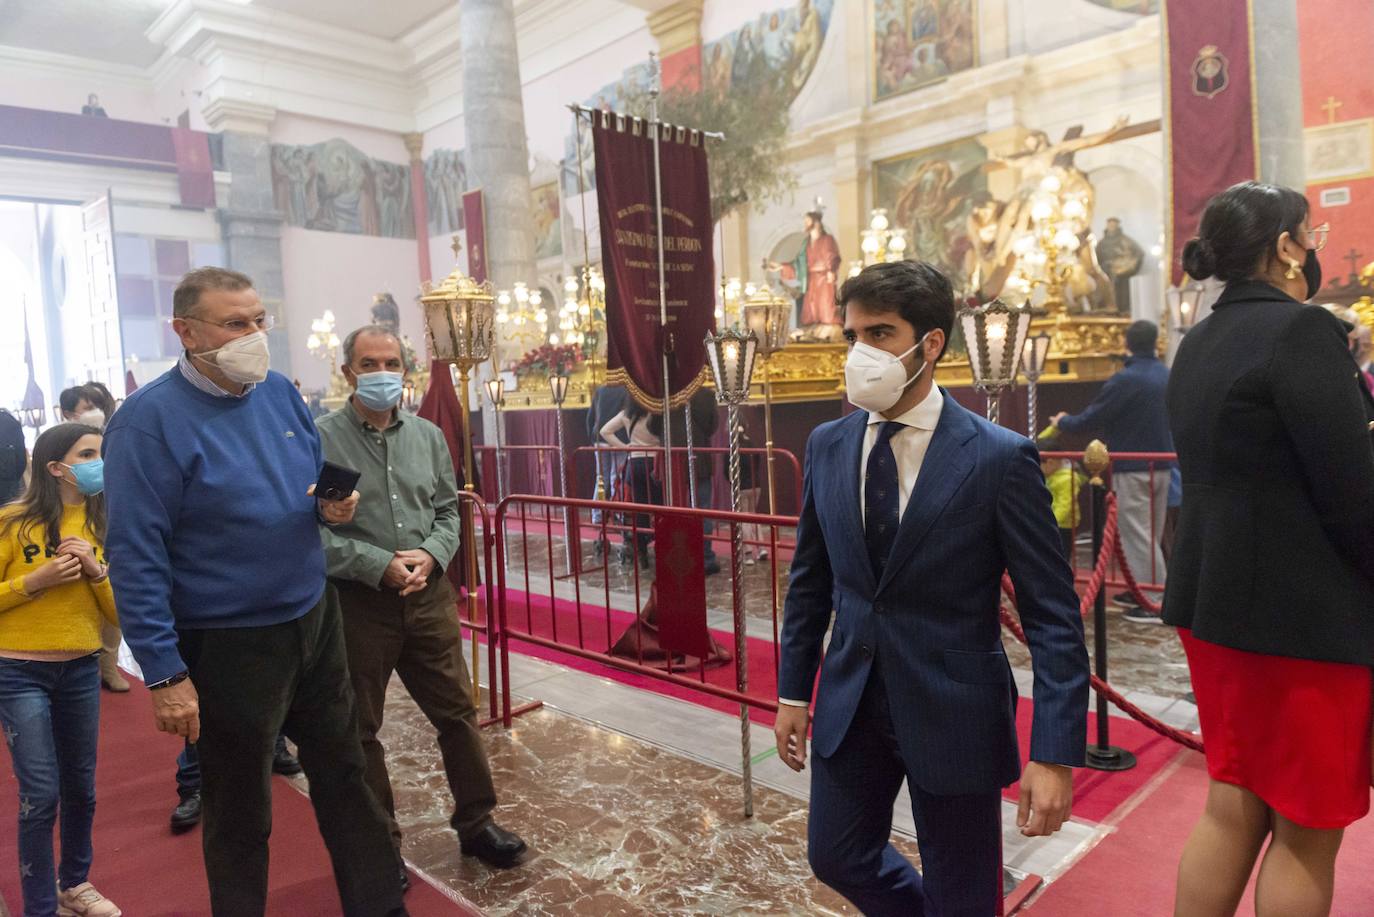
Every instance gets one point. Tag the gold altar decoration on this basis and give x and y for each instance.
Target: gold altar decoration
(1364, 306)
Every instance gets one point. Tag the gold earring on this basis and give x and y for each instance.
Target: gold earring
(1293, 269)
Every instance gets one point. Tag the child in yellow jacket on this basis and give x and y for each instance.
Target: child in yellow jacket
(54, 593)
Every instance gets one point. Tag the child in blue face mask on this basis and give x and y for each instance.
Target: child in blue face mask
(54, 595)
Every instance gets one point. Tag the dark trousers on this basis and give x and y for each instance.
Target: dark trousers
(188, 767)
(849, 846)
(417, 637)
(50, 713)
(255, 682)
(644, 488)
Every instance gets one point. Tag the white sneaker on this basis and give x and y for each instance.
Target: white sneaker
(85, 901)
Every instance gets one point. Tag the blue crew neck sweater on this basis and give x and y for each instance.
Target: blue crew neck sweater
(209, 522)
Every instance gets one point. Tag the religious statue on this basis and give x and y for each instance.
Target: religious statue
(1043, 167)
(814, 270)
(387, 314)
(990, 259)
(1120, 257)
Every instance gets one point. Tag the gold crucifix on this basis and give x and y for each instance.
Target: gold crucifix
(1330, 109)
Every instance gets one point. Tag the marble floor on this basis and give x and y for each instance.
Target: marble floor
(616, 826)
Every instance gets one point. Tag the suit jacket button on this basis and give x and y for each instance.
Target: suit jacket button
(868, 651)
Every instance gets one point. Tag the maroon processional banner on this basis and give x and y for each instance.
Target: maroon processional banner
(475, 225)
(636, 338)
(1211, 121)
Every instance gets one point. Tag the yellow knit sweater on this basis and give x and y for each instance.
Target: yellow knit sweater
(63, 618)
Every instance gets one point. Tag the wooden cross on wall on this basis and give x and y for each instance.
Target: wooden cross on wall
(1330, 108)
(1354, 257)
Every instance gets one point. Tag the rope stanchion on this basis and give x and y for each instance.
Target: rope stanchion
(1105, 690)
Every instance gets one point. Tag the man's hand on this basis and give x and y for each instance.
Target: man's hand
(790, 730)
(1046, 798)
(337, 512)
(397, 574)
(177, 710)
(420, 564)
(1054, 421)
(81, 549)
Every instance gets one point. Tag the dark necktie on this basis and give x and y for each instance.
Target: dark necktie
(882, 500)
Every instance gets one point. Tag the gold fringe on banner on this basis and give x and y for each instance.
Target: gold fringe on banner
(649, 402)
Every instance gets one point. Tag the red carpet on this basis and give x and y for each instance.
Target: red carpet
(1132, 872)
(149, 872)
(1096, 793)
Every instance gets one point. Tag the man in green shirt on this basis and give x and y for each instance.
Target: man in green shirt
(398, 607)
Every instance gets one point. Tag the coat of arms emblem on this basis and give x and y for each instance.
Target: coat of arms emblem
(1211, 72)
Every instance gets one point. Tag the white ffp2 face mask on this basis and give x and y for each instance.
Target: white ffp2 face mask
(875, 379)
(244, 360)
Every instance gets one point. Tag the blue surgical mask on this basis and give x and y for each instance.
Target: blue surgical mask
(380, 391)
(90, 476)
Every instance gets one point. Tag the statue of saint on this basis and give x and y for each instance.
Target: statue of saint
(1120, 257)
(814, 270)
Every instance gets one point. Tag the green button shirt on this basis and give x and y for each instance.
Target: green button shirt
(408, 495)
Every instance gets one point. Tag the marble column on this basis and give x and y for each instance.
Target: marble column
(849, 217)
(415, 144)
(250, 226)
(677, 29)
(1278, 85)
(494, 136)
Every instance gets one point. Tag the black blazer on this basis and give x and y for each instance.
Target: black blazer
(1275, 546)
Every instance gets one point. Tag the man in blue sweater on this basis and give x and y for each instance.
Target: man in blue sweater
(221, 589)
(1130, 415)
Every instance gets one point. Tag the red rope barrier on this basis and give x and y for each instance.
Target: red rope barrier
(1110, 546)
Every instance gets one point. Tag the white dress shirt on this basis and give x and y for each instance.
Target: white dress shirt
(908, 447)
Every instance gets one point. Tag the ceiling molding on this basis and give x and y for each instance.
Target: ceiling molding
(30, 62)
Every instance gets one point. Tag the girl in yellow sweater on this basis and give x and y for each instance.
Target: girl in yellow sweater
(53, 594)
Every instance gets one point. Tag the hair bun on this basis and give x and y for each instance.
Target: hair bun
(1199, 259)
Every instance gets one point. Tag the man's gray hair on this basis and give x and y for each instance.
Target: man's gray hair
(351, 341)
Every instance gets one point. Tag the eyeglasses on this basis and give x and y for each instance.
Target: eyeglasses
(238, 325)
(1318, 236)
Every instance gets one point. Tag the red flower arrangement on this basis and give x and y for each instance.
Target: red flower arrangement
(549, 360)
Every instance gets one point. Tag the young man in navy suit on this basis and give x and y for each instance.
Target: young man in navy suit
(913, 508)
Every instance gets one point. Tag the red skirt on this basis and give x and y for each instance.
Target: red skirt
(1295, 732)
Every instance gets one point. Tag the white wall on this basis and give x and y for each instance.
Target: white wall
(342, 272)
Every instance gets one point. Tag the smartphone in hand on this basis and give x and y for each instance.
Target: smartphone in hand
(336, 482)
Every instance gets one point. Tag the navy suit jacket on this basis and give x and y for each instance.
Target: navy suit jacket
(980, 506)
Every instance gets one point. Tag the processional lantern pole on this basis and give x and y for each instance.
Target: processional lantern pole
(1033, 356)
(460, 318)
(995, 333)
(731, 357)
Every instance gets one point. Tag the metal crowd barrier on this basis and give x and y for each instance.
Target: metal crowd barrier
(618, 488)
(585, 611)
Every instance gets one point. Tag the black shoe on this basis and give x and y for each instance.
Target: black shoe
(1125, 600)
(712, 566)
(1142, 616)
(187, 814)
(285, 763)
(494, 846)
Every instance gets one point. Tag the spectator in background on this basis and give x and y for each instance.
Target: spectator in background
(1129, 413)
(645, 486)
(14, 456)
(608, 401)
(749, 492)
(92, 404)
(705, 414)
(54, 594)
(1066, 484)
(77, 406)
(92, 107)
(219, 575)
(101, 399)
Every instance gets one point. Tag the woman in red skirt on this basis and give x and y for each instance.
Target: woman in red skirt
(1271, 582)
